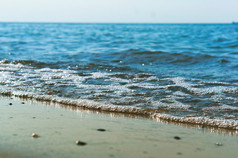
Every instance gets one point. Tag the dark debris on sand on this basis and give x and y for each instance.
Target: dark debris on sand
(219, 144)
(80, 143)
(177, 137)
(101, 130)
(34, 135)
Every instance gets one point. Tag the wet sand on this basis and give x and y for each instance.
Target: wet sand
(73, 132)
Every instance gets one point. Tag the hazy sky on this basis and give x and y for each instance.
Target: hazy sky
(155, 11)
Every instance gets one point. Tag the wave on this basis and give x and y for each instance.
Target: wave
(125, 92)
(122, 61)
(234, 46)
(220, 123)
(163, 57)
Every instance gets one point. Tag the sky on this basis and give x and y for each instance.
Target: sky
(119, 11)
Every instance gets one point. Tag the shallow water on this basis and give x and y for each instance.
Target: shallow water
(179, 72)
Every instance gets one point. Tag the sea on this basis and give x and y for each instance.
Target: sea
(177, 72)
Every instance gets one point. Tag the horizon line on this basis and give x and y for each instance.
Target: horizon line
(119, 22)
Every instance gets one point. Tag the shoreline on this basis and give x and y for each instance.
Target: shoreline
(217, 124)
(132, 115)
(105, 135)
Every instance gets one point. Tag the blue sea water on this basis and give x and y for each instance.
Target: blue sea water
(180, 72)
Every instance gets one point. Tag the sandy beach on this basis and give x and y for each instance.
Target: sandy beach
(62, 131)
(118, 79)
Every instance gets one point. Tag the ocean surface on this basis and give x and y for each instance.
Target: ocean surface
(178, 72)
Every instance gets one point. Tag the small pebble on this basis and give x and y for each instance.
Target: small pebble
(179, 153)
(10, 103)
(80, 143)
(101, 130)
(219, 144)
(177, 138)
(34, 135)
(23, 102)
(199, 149)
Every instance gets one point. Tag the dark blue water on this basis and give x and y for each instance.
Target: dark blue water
(184, 72)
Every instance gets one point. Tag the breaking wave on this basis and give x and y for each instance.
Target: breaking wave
(173, 99)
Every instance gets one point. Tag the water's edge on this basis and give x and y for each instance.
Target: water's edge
(214, 124)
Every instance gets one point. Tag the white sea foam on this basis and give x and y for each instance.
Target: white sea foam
(180, 94)
(181, 82)
(171, 103)
(116, 93)
(213, 90)
(222, 107)
(221, 123)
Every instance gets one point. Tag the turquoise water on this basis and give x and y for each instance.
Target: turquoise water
(181, 72)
